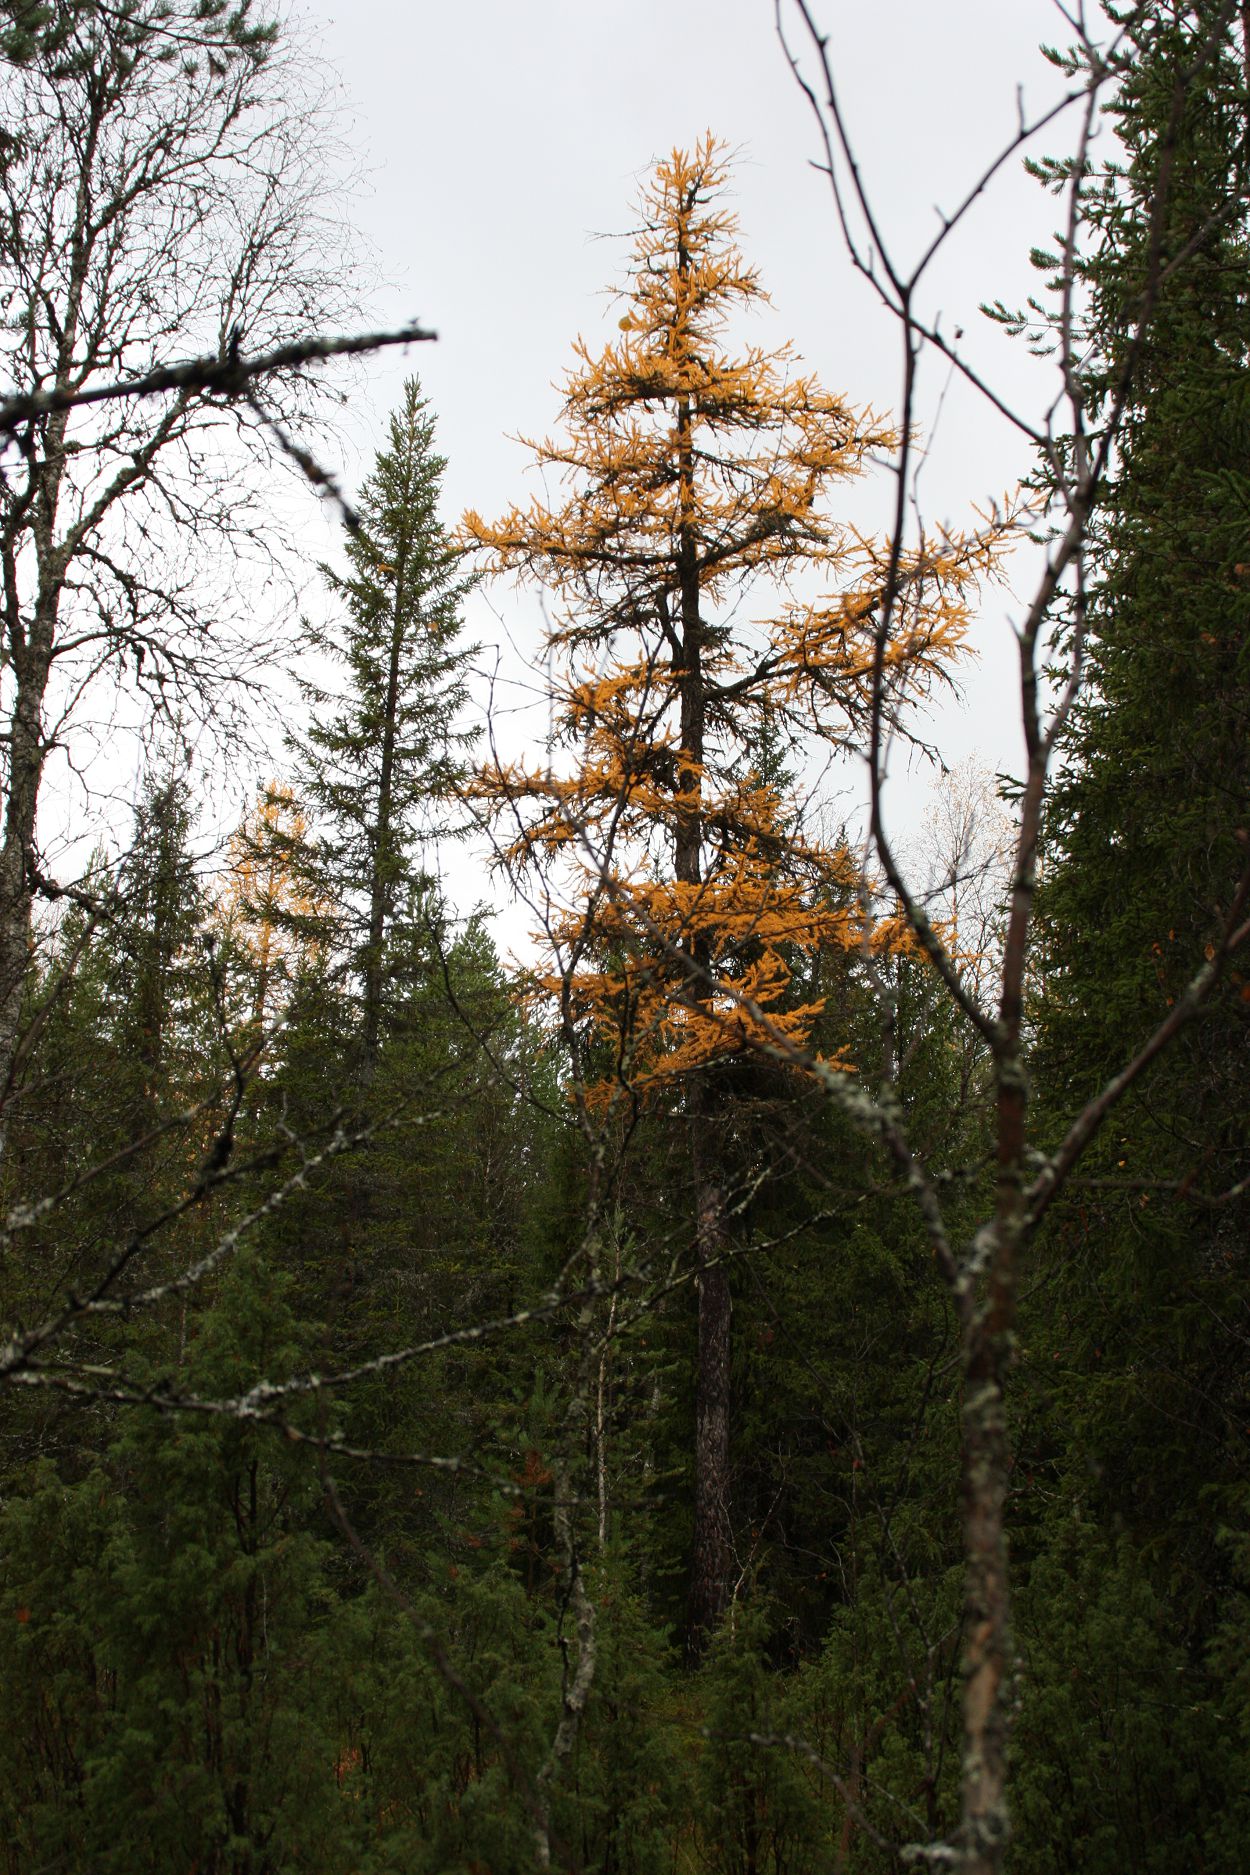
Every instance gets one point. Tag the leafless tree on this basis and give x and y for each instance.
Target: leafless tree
(161, 198)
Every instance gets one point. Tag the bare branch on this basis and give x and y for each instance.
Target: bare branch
(231, 376)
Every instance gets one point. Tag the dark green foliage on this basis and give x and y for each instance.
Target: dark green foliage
(1136, 1382)
(379, 758)
(1147, 827)
(760, 1808)
(175, 1636)
(627, 1780)
(128, 1098)
(194, 1680)
(124, 1012)
(60, 36)
(30, 27)
(1122, 1758)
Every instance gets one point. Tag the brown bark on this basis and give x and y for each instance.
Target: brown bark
(711, 1548)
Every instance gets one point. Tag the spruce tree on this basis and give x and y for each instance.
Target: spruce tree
(1137, 1377)
(157, 961)
(126, 1038)
(380, 753)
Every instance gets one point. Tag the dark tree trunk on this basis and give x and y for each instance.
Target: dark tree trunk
(380, 878)
(25, 768)
(712, 1551)
(712, 1558)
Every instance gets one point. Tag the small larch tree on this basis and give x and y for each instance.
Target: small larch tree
(697, 480)
(265, 905)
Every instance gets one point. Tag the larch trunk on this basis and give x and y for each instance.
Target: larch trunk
(711, 1549)
(712, 1560)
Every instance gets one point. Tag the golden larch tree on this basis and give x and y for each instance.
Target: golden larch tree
(265, 902)
(696, 478)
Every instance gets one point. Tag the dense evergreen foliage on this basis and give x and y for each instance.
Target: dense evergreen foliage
(378, 761)
(1137, 1375)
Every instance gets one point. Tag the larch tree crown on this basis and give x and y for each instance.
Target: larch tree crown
(698, 478)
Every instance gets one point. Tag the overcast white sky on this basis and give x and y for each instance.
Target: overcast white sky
(503, 142)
